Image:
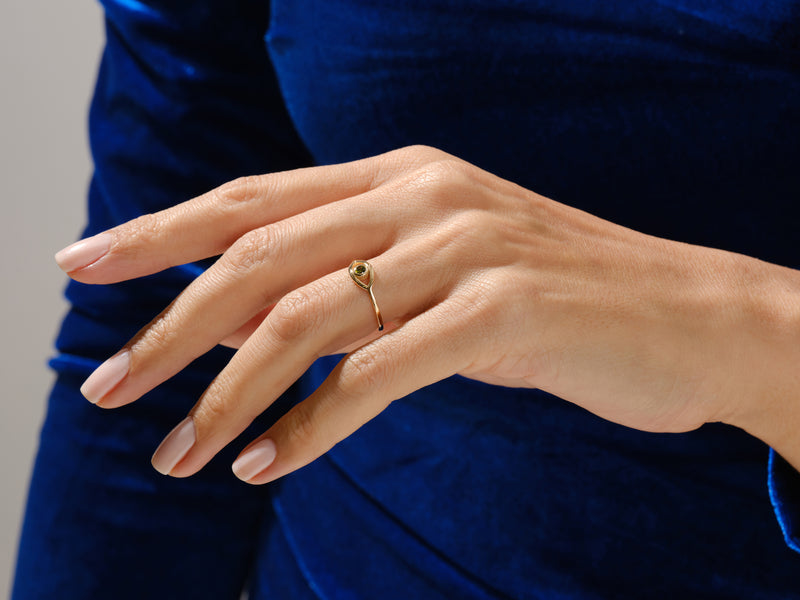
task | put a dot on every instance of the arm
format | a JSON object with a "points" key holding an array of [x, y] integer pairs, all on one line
{"points": [[653, 334]]}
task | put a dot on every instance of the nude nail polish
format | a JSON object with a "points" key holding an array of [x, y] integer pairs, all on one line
{"points": [[254, 460], [83, 253], [174, 447], [106, 377]]}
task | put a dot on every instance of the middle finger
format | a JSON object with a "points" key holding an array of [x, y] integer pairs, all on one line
{"points": [[253, 274]]}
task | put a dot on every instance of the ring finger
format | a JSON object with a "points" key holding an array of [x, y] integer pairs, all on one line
{"points": [[326, 314]]}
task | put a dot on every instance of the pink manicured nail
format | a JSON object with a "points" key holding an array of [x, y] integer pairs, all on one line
{"points": [[255, 459], [83, 253], [174, 447], [106, 377]]}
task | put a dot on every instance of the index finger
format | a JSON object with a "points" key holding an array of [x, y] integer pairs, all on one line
{"points": [[207, 225]]}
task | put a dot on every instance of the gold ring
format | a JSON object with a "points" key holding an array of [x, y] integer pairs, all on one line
{"points": [[361, 272]]}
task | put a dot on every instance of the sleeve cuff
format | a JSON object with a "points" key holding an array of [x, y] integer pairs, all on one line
{"points": [[784, 492]]}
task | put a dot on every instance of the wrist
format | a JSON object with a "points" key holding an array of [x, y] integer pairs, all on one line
{"points": [[769, 299]]}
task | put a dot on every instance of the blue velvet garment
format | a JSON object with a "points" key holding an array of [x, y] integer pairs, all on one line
{"points": [[680, 119]]}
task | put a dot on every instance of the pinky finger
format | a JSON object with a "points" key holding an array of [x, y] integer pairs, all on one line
{"points": [[423, 351]]}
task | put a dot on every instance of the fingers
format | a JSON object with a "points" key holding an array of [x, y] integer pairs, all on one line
{"points": [[205, 226], [254, 274], [326, 314], [305, 234], [364, 383], [209, 224]]}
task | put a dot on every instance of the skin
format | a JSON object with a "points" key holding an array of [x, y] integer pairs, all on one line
{"points": [[475, 276]]}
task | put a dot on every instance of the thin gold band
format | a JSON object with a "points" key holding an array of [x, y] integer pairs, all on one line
{"points": [[361, 272]]}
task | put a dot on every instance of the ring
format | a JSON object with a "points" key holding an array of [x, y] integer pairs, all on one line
{"points": [[361, 272]]}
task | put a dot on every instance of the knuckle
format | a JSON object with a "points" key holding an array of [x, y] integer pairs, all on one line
{"points": [[450, 167], [295, 315], [253, 249], [159, 335], [422, 152], [143, 229], [209, 414], [439, 170], [222, 413], [396, 164], [477, 227], [441, 180], [364, 369], [301, 428], [240, 190], [467, 221]]}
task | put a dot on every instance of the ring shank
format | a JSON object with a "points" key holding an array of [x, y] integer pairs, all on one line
{"points": [[363, 276]]}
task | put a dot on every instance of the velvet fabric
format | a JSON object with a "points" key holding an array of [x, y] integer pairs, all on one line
{"points": [[680, 119]]}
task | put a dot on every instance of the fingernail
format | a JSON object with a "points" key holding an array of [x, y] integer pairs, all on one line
{"points": [[255, 459], [83, 253], [174, 447], [106, 377]]}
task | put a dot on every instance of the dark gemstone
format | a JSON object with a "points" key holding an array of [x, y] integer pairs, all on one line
{"points": [[361, 269]]}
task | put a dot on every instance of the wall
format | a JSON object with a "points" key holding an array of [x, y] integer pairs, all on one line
{"points": [[48, 57]]}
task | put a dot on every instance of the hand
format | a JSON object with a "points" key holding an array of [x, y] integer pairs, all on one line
{"points": [[474, 275]]}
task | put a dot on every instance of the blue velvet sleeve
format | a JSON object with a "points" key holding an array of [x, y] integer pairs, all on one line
{"points": [[784, 492], [186, 99]]}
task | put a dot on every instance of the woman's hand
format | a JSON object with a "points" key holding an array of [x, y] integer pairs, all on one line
{"points": [[474, 275]]}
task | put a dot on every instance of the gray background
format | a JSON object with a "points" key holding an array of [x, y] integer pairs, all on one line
{"points": [[49, 53]]}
